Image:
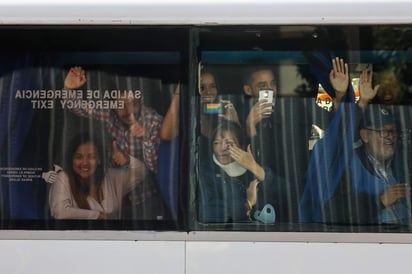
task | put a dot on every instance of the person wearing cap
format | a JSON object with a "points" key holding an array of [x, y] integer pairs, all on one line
{"points": [[371, 190], [351, 181]]}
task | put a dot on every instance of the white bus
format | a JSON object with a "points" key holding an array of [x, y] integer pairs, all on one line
{"points": [[162, 85]]}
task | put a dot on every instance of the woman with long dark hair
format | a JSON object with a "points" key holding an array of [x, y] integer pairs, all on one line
{"points": [[86, 189]]}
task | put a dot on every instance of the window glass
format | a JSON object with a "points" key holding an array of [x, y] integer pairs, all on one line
{"points": [[304, 128], [246, 128], [84, 138]]}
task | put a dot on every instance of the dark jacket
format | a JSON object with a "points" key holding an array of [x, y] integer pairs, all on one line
{"points": [[222, 198]]}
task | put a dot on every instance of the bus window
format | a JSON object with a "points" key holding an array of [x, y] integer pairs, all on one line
{"points": [[81, 124], [285, 127]]}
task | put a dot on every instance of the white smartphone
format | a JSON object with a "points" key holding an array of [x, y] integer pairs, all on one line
{"points": [[268, 95]]}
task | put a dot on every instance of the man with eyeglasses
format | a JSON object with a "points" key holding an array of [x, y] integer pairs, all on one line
{"points": [[374, 187]]}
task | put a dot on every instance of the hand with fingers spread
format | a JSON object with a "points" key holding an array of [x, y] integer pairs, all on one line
{"points": [[229, 112], [339, 76], [246, 160], [367, 93], [119, 158], [258, 112], [136, 129], [339, 79], [394, 193], [75, 78]]}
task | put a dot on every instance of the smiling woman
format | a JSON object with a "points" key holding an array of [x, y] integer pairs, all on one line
{"points": [[87, 189]]}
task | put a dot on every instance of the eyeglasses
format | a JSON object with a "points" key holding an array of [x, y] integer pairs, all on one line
{"points": [[385, 132]]}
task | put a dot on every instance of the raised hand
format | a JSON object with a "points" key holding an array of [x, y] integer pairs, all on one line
{"points": [[75, 78], [229, 112], [246, 160], [136, 129], [243, 158], [119, 158], [366, 91], [339, 76]]}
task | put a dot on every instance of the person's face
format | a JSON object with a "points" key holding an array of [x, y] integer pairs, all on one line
{"points": [[208, 90], [389, 92], [260, 80], [380, 142], [131, 111], [221, 144], [85, 160]]}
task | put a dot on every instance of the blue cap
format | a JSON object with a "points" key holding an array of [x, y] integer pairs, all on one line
{"points": [[376, 116]]}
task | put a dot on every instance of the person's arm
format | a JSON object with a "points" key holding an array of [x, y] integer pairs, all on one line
{"points": [[132, 176], [328, 161], [144, 133], [126, 179], [62, 204], [256, 114], [170, 125], [272, 186], [347, 206], [260, 193], [251, 196], [151, 140]]}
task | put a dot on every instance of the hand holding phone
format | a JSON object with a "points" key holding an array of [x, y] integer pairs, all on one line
{"points": [[267, 94]]}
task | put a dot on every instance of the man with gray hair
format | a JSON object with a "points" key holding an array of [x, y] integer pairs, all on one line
{"points": [[373, 189]]}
